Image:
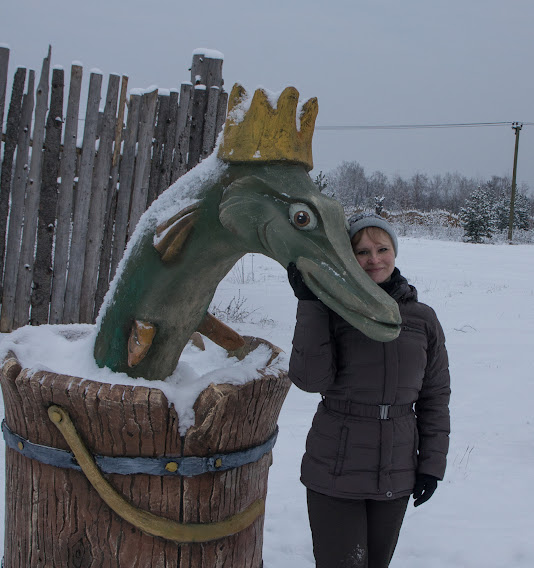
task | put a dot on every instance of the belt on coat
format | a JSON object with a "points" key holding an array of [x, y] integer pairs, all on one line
{"points": [[379, 411]]}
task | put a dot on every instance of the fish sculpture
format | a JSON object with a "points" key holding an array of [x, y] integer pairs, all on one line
{"points": [[254, 196]]}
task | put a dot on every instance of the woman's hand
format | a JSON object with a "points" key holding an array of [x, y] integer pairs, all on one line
{"points": [[302, 292], [425, 485]]}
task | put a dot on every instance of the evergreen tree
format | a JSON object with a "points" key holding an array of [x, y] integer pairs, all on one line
{"points": [[477, 217], [321, 181]]}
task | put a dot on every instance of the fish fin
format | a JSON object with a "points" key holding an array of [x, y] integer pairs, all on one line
{"points": [[141, 337], [220, 333], [172, 234]]}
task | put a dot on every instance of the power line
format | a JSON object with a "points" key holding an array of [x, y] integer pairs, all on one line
{"points": [[416, 126]]}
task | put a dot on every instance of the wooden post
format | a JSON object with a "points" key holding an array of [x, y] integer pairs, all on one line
{"points": [[31, 203], [126, 176], [170, 140], [183, 129], [42, 273], [12, 135], [54, 516], [71, 312], [99, 200], [197, 126], [147, 117], [111, 206], [16, 214], [4, 65], [65, 198], [210, 122], [157, 147]]}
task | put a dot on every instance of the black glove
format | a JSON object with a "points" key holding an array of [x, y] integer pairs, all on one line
{"points": [[302, 292], [425, 485]]}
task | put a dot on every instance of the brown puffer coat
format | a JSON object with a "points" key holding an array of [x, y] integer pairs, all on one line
{"points": [[350, 451]]}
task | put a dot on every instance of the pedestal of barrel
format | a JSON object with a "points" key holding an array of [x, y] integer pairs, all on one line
{"points": [[55, 517]]}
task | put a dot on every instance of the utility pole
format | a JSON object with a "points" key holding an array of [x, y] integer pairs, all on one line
{"points": [[517, 127]]}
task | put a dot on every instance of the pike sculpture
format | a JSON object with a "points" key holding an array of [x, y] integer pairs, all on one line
{"points": [[258, 198]]}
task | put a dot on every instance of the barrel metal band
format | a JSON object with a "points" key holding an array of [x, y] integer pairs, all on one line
{"points": [[174, 466]]}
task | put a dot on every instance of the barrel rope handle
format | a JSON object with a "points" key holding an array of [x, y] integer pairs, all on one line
{"points": [[143, 520]]}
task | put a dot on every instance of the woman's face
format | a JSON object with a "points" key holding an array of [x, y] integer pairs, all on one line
{"points": [[375, 253]]}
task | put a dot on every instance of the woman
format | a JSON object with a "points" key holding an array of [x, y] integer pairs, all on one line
{"points": [[381, 431]]}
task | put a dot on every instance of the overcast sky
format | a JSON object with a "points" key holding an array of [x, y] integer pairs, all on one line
{"points": [[369, 62]]}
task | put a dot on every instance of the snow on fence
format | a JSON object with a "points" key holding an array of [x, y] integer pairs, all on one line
{"points": [[67, 209]]}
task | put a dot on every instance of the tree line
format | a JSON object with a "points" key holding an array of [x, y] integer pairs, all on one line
{"points": [[352, 187]]}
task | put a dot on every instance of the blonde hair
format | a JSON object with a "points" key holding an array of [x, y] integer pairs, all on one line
{"points": [[374, 233]]}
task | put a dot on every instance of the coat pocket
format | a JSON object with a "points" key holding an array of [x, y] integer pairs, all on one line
{"points": [[342, 448]]}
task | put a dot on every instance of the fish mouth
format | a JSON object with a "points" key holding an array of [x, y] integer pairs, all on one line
{"points": [[354, 296]]}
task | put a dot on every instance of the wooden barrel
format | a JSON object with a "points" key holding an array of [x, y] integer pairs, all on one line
{"points": [[54, 516]]}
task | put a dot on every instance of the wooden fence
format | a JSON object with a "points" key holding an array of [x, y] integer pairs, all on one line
{"points": [[68, 209]]}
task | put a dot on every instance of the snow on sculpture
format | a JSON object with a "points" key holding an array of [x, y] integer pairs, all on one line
{"points": [[254, 196]]}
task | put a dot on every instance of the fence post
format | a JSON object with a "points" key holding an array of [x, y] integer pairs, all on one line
{"points": [[71, 312], [142, 165], [111, 206], [31, 203], [4, 64], [42, 274], [65, 198], [16, 214], [183, 129], [12, 135], [99, 200]]}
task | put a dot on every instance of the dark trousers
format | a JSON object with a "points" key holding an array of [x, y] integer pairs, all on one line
{"points": [[351, 533]]}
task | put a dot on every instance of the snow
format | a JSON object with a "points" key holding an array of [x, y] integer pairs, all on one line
{"points": [[208, 53], [482, 513]]}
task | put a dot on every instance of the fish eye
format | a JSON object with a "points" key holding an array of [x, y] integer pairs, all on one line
{"points": [[302, 217]]}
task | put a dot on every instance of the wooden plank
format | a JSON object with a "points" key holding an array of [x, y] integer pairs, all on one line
{"points": [[210, 122], [12, 136], [99, 201], [31, 203], [206, 70], [111, 207], [42, 273], [221, 113], [157, 147], [4, 64], [213, 72], [183, 130], [197, 126], [170, 138], [81, 208], [67, 173], [142, 166], [16, 214], [126, 176]]}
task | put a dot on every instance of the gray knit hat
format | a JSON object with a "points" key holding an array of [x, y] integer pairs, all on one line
{"points": [[362, 220]]}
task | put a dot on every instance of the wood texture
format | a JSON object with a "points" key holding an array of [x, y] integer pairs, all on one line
{"points": [[147, 156], [55, 518], [183, 129], [126, 176], [31, 203], [16, 215], [42, 269], [67, 173], [81, 209], [200, 98], [4, 65], [99, 201], [12, 135], [147, 117]]}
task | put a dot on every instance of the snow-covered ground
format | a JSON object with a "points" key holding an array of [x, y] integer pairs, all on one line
{"points": [[483, 512]]}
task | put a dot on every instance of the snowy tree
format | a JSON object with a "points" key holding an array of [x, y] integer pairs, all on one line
{"points": [[379, 204], [321, 181], [477, 217]]}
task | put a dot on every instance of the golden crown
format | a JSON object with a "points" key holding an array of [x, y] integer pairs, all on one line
{"points": [[266, 134]]}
